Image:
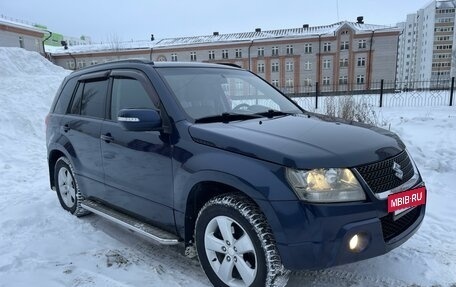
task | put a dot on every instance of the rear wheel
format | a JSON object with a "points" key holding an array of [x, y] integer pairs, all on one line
{"points": [[235, 244], [70, 197]]}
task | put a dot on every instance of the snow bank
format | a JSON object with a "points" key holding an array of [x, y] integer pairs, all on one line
{"points": [[15, 62], [28, 83]]}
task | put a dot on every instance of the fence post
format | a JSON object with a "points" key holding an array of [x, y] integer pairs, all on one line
{"points": [[451, 91], [381, 93], [316, 95]]}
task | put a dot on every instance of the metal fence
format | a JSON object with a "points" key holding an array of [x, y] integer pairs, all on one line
{"points": [[376, 94]]}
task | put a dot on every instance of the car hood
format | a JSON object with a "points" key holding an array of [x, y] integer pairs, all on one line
{"points": [[301, 141]]}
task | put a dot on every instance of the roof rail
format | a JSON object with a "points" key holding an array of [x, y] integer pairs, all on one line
{"points": [[139, 61], [231, 65], [142, 61]]}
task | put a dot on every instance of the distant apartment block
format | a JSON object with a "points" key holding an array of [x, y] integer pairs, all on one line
{"points": [[426, 47], [15, 34], [342, 56]]}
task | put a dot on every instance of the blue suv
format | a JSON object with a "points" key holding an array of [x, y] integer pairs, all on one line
{"points": [[214, 158]]}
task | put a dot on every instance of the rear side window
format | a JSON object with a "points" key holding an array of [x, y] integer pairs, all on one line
{"points": [[93, 98], [128, 94], [65, 97]]}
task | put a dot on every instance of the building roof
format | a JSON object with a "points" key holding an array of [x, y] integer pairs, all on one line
{"points": [[445, 4], [11, 23], [221, 38]]}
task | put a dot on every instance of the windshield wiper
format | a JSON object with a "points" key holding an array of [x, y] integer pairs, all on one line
{"points": [[227, 117], [272, 113]]}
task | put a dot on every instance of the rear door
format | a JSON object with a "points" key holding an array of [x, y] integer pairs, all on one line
{"points": [[137, 165], [82, 127]]}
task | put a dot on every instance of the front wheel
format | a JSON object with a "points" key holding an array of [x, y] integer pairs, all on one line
{"points": [[235, 244]]}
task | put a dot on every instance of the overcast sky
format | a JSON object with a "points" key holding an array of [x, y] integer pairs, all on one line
{"points": [[137, 19]]}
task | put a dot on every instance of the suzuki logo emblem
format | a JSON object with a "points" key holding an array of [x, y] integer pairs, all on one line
{"points": [[397, 168]]}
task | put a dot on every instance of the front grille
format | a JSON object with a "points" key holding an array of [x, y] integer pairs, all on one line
{"points": [[380, 176], [393, 228]]}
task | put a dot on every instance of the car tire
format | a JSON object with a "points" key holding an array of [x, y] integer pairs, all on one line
{"points": [[67, 188], [235, 244]]}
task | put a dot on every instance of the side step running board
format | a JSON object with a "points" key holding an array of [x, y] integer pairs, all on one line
{"points": [[152, 232]]}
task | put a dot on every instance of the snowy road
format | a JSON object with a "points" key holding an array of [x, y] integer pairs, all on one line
{"points": [[42, 245]]}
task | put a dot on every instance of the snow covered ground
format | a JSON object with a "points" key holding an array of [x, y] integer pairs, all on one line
{"points": [[42, 245]]}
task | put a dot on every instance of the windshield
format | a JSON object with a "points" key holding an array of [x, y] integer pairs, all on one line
{"points": [[209, 92]]}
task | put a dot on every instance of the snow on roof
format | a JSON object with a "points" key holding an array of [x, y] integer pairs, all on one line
{"points": [[4, 21], [221, 38], [445, 4]]}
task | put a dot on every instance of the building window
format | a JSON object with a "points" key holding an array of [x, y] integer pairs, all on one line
{"points": [[275, 83], [192, 56], [275, 67], [275, 51], [37, 45], [93, 62], [444, 47], [343, 63], [360, 79], [289, 66], [211, 55], [308, 65], [224, 54], [307, 48], [343, 80], [289, 49], [326, 81], [327, 47], [173, 57], [344, 45], [260, 68], [307, 82], [238, 53], [289, 84], [361, 62], [327, 64], [81, 64], [21, 41], [261, 52], [362, 44], [70, 65]]}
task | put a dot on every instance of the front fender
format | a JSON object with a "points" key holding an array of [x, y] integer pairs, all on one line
{"points": [[262, 181], [258, 179]]}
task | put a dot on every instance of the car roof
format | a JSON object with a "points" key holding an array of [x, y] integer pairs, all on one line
{"points": [[128, 63]]}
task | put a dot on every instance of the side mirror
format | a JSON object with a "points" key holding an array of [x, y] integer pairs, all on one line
{"points": [[140, 120]]}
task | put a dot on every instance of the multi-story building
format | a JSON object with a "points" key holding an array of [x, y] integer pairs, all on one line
{"points": [[426, 49], [341, 56], [16, 34]]}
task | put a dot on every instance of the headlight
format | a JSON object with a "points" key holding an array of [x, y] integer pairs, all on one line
{"points": [[325, 185]]}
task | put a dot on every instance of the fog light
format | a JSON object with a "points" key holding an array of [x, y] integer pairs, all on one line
{"points": [[358, 242], [353, 243]]}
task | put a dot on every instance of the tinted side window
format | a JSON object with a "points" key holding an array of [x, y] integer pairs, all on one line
{"points": [[65, 97], [128, 94], [76, 103], [93, 99]]}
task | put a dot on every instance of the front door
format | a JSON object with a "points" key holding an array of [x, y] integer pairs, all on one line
{"points": [[137, 165]]}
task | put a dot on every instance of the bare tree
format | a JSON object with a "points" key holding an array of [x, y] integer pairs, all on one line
{"points": [[114, 42]]}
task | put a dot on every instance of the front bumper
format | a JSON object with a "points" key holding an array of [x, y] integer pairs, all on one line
{"points": [[318, 235]]}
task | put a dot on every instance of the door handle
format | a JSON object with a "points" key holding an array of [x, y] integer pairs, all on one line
{"points": [[107, 137]]}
